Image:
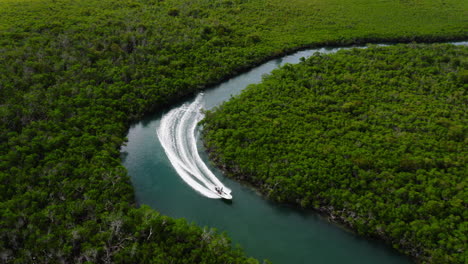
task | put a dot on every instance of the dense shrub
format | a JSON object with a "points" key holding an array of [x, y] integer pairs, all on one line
{"points": [[376, 138], [75, 74]]}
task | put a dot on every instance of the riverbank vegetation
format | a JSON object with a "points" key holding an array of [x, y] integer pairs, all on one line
{"points": [[375, 138], [75, 74]]}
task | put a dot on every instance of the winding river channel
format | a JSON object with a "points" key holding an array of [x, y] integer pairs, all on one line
{"points": [[263, 229]]}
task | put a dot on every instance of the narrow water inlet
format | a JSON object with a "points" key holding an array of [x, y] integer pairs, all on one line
{"points": [[262, 228]]}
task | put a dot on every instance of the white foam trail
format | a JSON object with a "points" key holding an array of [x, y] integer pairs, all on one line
{"points": [[176, 133]]}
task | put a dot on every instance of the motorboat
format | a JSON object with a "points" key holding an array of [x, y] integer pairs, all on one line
{"points": [[223, 193]]}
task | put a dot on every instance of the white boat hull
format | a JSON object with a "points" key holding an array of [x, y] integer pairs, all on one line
{"points": [[224, 194]]}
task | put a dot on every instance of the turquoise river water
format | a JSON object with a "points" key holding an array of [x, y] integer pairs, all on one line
{"points": [[265, 230]]}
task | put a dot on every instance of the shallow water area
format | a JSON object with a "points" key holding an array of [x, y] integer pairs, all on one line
{"points": [[264, 229]]}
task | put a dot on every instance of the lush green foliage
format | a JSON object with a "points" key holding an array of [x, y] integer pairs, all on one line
{"points": [[374, 137], [74, 74]]}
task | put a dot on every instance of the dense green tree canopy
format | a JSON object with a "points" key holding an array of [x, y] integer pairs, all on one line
{"points": [[375, 137], [75, 74]]}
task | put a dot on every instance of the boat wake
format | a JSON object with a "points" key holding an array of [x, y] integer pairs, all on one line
{"points": [[176, 133]]}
